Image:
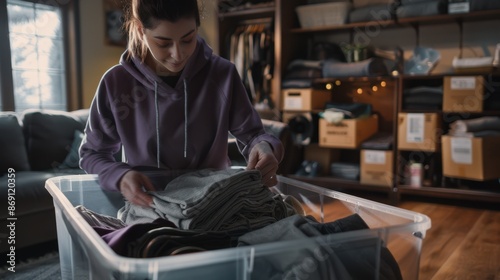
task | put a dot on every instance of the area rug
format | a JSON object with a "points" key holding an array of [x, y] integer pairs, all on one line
{"points": [[42, 268]]}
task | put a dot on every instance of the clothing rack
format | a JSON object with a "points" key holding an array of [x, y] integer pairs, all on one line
{"points": [[251, 49]]}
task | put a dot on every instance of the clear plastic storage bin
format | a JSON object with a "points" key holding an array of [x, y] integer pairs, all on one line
{"points": [[84, 254]]}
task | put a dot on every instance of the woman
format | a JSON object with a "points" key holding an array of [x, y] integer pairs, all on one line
{"points": [[170, 103]]}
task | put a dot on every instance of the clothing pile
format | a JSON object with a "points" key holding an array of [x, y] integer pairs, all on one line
{"points": [[353, 258], [212, 200], [423, 98], [478, 127], [208, 209]]}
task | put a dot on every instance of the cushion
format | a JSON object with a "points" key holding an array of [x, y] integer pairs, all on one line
{"points": [[72, 160], [49, 135], [12, 146]]}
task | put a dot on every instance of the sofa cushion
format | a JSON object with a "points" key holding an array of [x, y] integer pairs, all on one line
{"points": [[49, 135], [72, 160], [12, 146]]}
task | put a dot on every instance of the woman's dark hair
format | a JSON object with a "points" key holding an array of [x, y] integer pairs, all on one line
{"points": [[146, 13]]}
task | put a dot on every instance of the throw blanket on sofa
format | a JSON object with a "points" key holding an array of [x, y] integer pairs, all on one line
{"points": [[212, 200]]}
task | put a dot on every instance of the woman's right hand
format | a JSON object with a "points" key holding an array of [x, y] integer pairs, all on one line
{"points": [[133, 187]]}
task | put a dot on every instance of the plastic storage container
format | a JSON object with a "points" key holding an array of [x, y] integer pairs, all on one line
{"points": [[84, 255]]}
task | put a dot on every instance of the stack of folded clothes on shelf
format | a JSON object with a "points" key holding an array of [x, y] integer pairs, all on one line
{"points": [[380, 141], [345, 170], [482, 5], [423, 98], [300, 73], [419, 8], [371, 67], [478, 127]]}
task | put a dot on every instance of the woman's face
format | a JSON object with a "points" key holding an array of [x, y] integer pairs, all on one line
{"points": [[171, 44]]}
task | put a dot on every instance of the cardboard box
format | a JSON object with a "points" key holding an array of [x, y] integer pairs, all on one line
{"points": [[324, 156], [305, 99], [419, 132], [349, 133], [463, 94], [377, 167], [473, 158]]}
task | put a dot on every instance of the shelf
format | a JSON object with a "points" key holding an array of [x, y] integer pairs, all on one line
{"points": [[464, 194], [353, 79], [256, 12], [445, 18]]}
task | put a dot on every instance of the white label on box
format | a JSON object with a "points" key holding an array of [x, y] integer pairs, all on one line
{"points": [[374, 157], [415, 128], [455, 8], [463, 83], [461, 150], [293, 103]]}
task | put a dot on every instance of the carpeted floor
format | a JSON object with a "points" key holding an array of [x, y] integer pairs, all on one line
{"points": [[42, 268]]}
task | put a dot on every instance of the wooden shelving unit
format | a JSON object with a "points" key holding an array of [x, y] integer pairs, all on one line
{"points": [[291, 42]]}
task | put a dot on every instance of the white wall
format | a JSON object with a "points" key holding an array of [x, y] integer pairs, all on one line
{"points": [[97, 56]]}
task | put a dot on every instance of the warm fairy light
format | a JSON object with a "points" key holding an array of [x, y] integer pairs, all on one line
{"points": [[338, 82], [374, 88], [359, 91], [328, 86], [383, 84]]}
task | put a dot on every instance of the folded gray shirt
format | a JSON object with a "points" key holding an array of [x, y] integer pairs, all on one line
{"points": [[212, 200]]}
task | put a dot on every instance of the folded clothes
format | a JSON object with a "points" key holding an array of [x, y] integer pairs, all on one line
{"points": [[379, 141], [99, 220], [212, 200], [410, 2], [476, 125], [368, 67], [484, 133], [296, 83], [480, 5]]}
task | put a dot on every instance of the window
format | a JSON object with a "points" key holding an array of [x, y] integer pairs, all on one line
{"points": [[38, 53]]}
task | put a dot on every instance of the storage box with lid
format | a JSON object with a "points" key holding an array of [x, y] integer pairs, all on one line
{"points": [[472, 158], [84, 254], [463, 94], [305, 99], [349, 133], [419, 131], [323, 14]]}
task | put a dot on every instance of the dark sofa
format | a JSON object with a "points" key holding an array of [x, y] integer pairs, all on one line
{"points": [[40, 144], [34, 146]]}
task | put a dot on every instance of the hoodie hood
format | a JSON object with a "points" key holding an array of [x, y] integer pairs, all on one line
{"points": [[147, 76]]}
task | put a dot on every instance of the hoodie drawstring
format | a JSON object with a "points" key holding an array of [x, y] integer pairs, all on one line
{"points": [[185, 117], [157, 126], [158, 122]]}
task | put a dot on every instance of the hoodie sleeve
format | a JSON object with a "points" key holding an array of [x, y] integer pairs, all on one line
{"points": [[101, 142], [245, 123]]}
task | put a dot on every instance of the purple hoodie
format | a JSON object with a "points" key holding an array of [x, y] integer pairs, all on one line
{"points": [[181, 128]]}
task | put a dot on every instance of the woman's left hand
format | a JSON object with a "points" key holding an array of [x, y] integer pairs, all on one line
{"points": [[262, 158]]}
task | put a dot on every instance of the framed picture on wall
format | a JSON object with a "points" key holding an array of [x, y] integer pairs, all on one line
{"points": [[114, 16]]}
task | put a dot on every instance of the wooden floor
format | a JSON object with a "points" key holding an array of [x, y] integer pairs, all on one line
{"points": [[463, 242]]}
